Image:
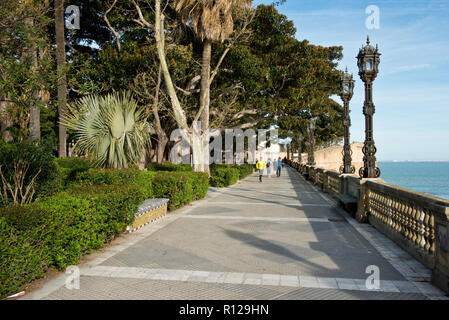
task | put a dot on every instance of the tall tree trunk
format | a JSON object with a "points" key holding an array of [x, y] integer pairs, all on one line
{"points": [[35, 116], [35, 122], [5, 121], [62, 79], [160, 149], [161, 136], [159, 35], [205, 95], [299, 149]]}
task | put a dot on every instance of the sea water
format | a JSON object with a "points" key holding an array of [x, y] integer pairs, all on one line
{"points": [[427, 177]]}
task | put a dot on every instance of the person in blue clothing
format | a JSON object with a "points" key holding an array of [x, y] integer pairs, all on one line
{"points": [[279, 167]]}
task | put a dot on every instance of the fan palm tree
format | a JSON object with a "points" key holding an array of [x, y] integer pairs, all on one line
{"points": [[211, 21], [112, 129]]}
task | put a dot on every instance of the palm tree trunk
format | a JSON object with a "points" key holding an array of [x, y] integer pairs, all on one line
{"points": [[205, 92], [62, 79]]}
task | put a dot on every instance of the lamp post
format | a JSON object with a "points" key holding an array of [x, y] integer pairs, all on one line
{"points": [[368, 63], [346, 92], [311, 133]]}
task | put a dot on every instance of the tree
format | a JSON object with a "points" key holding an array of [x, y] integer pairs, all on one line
{"points": [[211, 21], [112, 129], [62, 79], [198, 145], [25, 66]]}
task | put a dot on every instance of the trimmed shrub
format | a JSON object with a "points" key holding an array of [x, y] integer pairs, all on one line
{"points": [[23, 255], [174, 186], [138, 177], [223, 177], [168, 166], [199, 182], [215, 166], [67, 170], [244, 170], [74, 165], [58, 230]]}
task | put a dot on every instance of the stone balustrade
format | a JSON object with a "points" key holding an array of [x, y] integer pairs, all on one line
{"points": [[417, 222], [334, 182]]}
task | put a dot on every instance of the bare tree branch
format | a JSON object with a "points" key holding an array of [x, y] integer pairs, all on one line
{"points": [[115, 33]]}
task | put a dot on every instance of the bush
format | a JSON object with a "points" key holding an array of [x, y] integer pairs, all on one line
{"points": [[26, 170], [175, 186], [199, 182], [244, 170], [223, 177], [137, 177], [65, 175], [111, 128], [71, 166], [216, 166], [58, 230], [23, 257], [168, 166]]}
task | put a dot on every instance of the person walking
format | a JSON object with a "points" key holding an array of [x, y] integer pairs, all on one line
{"points": [[269, 167], [260, 165], [279, 167]]}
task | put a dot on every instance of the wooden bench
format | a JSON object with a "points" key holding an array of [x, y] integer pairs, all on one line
{"points": [[348, 203]]}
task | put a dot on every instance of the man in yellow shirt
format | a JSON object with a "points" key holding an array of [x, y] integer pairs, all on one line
{"points": [[260, 165]]}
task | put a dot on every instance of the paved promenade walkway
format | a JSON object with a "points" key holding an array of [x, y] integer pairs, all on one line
{"points": [[280, 239]]}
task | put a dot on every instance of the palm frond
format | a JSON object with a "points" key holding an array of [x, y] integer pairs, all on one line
{"points": [[112, 129]]}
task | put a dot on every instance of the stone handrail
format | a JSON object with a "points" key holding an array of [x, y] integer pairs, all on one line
{"points": [[417, 222], [409, 216], [334, 180]]}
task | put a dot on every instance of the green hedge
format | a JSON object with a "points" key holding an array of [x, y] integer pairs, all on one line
{"points": [[168, 166], [65, 175], [199, 182], [70, 167], [173, 186], [223, 177], [137, 177], [180, 187], [244, 170], [56, 231]]}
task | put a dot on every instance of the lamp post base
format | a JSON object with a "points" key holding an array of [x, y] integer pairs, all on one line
{"points": [[369, 172], [347, 169]]}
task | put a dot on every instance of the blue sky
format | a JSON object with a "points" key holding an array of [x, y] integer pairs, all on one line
{"points": [[411, 92]]}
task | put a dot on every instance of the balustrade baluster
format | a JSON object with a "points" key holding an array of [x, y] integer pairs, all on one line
{"points": [[415, 225], [421, 241], [432, 233]]}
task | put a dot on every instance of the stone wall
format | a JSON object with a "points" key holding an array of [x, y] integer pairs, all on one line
{"points": [[332, 159]]}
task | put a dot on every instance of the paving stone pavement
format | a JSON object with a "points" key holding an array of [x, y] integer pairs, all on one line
{"points": [[279, 239]]}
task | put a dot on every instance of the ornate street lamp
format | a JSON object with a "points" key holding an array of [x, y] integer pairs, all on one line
{"points": [[368, 63], [346, 92], [311, 132]]}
